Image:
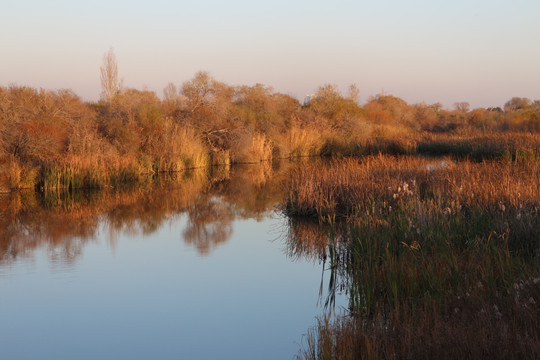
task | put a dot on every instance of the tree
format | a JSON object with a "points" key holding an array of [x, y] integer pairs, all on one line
{"points": [[199, 91], [170, 93], [38, 122], [462, 106], [331, 109], [517, 103], [437, 107], [110, 84], [353, 93], [425, 116], [207, 101], [387, 109]]}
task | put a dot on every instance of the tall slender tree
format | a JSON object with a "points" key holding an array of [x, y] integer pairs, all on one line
{"points": [[110, 84]]}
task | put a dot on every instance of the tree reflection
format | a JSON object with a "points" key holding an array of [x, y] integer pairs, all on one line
{"points": [[64, 222], [209, 223], [254, 190], [26, 223]]}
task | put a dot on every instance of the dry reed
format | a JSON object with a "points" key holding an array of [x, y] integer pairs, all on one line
{"points": [[436, 248]]}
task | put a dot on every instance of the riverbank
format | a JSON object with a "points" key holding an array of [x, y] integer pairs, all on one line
{"points": [[91, 172], [54, 140]]}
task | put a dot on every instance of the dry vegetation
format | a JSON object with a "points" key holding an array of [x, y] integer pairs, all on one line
{"points": [[439, 257], [52, 139]]}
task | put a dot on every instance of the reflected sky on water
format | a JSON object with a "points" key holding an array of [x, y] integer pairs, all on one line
{"points": [[198, 270]]}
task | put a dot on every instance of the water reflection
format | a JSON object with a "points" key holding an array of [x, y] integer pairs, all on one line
{"points": [[64, 222], [181, 300], [209, 224], [326, 244]]}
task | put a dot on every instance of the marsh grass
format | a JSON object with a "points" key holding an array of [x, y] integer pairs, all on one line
{"points": [[520, 147], [17, 176], [251, 148], [351, 188], [88, 173], [183, 148], [303, 142], [435, 250], [78, 172]]}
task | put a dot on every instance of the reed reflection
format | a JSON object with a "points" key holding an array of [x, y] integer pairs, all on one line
{"points": [[326, 244], [254, 190], [27, 222], [64, 222]]}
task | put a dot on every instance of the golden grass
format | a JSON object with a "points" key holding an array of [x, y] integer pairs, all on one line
{"points": [[522, 147], [349, 187], [440, 258], [20, 176], [251, 148], [304, 142]]}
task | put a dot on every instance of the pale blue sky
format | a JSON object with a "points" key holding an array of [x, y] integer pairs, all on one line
{"points": [[483, 52]]}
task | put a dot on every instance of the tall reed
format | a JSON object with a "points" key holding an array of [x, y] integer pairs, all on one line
{"points": [[520, 147], [430, 242]]}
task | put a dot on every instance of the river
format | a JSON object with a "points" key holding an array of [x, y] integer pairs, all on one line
{"points": [[203, 266]]}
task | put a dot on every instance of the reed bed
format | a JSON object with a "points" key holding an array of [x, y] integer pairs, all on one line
{"points": [[75, 172], [437, 250], [518, 147], [351, 188], [251, 148], [182, 149], [521, 147], [303, 142]]}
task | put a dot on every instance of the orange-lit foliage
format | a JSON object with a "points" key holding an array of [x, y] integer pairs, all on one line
{"points": [[209, 122], [330, 109], [388, 109], [36, 125]]}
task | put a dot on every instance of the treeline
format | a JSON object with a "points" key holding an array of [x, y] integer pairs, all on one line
{"points": [[53, 139]]}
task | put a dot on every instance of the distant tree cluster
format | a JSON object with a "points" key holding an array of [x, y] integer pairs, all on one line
{"points": [[204, 121]]}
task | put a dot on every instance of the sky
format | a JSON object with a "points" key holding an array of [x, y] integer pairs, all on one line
{"points": [[479, 51]]}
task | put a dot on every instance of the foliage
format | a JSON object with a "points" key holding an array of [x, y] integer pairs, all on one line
{"points": [[209, 122]]}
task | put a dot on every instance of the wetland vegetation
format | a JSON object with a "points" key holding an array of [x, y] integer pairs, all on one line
{"points": [[53, 139], [427, 219], [164, 267], [440, 258]]}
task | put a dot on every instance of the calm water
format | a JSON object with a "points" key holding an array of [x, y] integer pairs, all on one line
{"points": [[198, 268]]}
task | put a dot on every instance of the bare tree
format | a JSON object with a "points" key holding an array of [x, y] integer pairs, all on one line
{"points": [[170, 93], [462, 106], [199, 91], [110, 84], [353, 93]]}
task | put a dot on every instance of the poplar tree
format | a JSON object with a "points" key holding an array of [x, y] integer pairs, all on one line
{"points": [[110, 84]]}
